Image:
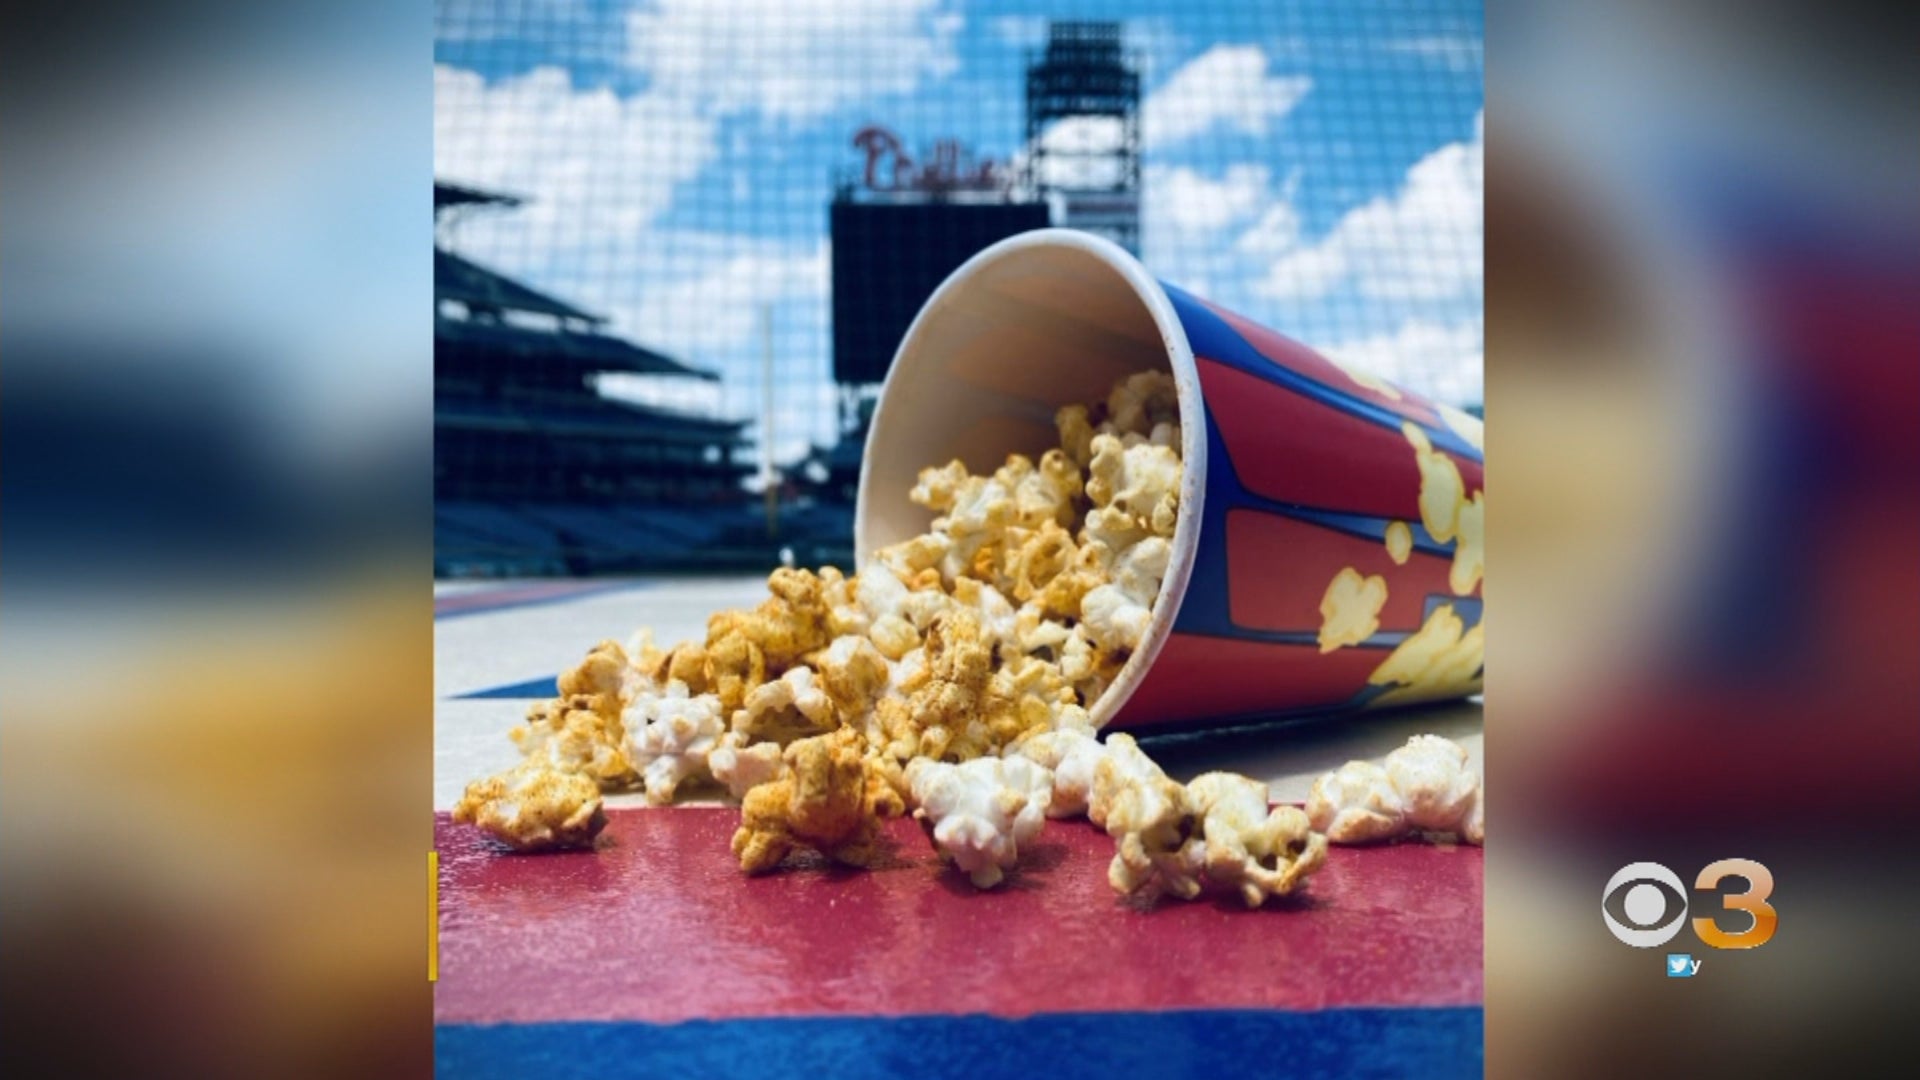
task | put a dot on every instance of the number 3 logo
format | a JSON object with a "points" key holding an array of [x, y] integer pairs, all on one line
{"points": [[1753, 902]]}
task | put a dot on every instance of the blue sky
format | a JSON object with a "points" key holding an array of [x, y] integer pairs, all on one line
{"points": [[1315, 165]]}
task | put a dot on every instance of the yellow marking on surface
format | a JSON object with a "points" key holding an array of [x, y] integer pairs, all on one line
{"points": [[1441, 489], [1469, 552], [1466, 425], [1440, 660], [1399, 542]]}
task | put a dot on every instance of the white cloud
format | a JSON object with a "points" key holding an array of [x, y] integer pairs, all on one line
{"points": [[1423, 242], [1186, 205], [717, 308], [1227, 86], [1020, 31], [1455, 52], [795, 59], [1278, 228], [1444, 362], [594, 167]]}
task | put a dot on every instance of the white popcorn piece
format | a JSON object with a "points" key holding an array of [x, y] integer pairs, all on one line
{"points": [[1158, 847], [1034, 632], [1116, 615], [907, 673], [938, 487], [880, 591], [1356, 804], [999, 622], [1437, 788], [742, 766], [1072, 755], [790, 707], [979, 813], [910, 557], [1143, 401], [1256, 850], [1424, 787], [672, 734], [1141, 481], [1122, 765], [1047, 493]]}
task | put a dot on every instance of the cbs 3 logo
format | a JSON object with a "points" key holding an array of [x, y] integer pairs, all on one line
{"points": [[1644, 904]]}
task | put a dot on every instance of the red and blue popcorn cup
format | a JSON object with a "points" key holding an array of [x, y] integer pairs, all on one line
{"points": [[1329, 551]]}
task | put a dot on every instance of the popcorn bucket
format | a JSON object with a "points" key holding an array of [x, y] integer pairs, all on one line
{"points": [[1328, 554]]}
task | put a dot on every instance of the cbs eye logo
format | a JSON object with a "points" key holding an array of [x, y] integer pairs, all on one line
{"points": [[1644, 904]]}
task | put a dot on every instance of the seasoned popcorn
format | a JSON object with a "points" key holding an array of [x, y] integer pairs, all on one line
{"points": [[1123, 764], [607, 677], [673, 733], [534, 807], [827, 798], [1159, 848], [1423, 787], [840, 699], [1249, 848], [979, 813], [578, 736]]}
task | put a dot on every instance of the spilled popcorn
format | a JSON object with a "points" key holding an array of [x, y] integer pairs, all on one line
{"points": [[534, 807], [952, 678], [1425, 787]]}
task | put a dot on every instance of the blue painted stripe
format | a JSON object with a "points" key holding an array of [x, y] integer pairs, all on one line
{"points": [[460, 605], [532, 689], [1364, 526], [1206, 1045]]}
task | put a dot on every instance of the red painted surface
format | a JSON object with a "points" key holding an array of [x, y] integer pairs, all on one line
{"points": [[1188, 683], [1292, 449], [659, 925], [1301, 360], [1280, 568]]}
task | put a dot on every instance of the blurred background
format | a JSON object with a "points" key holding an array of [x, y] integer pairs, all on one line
{"points": [[1703, 258], [677, 243]]}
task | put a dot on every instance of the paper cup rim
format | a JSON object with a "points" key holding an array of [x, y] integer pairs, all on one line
{"points": [[1193, 427]]}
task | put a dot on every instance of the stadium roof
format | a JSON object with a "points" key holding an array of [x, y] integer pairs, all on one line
{"points": [[454, 278], [445, 194], [587, 351], [593, 419]]}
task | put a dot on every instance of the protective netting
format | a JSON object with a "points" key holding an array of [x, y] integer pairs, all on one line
{"points": [[1316, 166]]}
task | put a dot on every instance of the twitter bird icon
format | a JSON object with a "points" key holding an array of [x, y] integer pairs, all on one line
{"points": [[1682, 966]]}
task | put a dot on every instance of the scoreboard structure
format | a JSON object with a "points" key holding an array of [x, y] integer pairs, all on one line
{"points": [[887, 260]]}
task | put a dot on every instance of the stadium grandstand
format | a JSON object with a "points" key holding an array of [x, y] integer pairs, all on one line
{"points": [[535, 471]]}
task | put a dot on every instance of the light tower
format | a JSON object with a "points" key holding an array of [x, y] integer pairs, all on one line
{"points": [[1083, 130]]}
